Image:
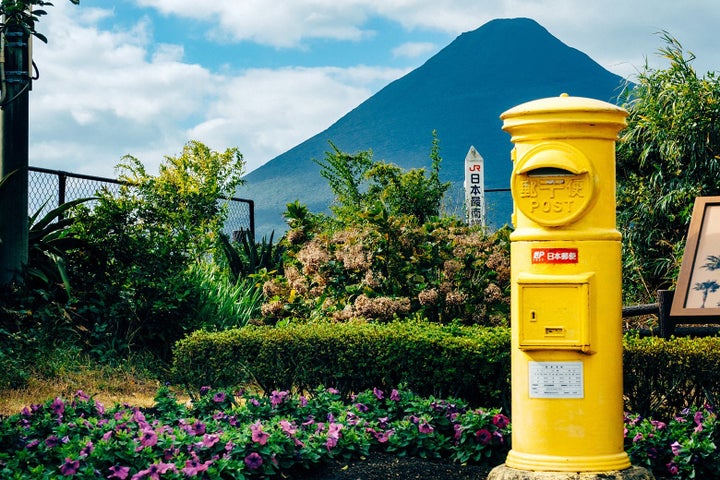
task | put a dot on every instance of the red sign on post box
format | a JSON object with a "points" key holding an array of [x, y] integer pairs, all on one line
{"points": [[554, 255]]}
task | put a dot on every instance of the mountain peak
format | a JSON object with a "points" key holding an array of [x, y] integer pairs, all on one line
{"points": [[460, 92]]}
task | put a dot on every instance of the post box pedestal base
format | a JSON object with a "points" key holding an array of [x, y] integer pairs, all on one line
{"points": [[503, 472]]}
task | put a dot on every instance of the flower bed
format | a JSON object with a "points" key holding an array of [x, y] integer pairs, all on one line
{"points": [[225, 435], [246, 436]]}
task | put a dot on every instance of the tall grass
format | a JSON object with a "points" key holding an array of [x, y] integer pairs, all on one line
{"points": [[222, 303]]}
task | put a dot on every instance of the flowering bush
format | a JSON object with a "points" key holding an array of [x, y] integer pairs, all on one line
{"points": [[240, 435], [684, 447], [385, 266]]}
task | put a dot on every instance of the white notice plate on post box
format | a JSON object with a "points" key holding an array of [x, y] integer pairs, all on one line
{"points": [[556, 379]]}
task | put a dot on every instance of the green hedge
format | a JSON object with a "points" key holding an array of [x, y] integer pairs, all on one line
{"points": [[472, 363], [661, 377]]}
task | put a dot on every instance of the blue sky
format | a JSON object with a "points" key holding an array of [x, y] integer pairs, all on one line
{"points": [[143, 77]]}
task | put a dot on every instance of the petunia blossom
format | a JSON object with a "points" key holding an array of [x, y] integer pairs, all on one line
{"points": [[253, 461], [70, 467], [483, 436], [118, 472], [258, 435], [500, 420]]}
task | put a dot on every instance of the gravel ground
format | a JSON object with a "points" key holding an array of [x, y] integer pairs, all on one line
{"points": [[378, 466]]}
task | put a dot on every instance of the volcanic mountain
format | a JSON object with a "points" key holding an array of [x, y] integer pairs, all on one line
{"points": [[460, 92]]}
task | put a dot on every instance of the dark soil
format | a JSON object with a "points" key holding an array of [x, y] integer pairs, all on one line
{"points": [[380, 466]]}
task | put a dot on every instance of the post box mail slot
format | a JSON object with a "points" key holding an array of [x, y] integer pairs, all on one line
{"points": [[553, 184], [554, 312]]}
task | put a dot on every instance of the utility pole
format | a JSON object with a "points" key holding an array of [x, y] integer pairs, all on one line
{"points": [[15, 81]]}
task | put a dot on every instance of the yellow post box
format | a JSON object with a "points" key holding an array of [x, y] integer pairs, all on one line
{"points": [[566, 313]]}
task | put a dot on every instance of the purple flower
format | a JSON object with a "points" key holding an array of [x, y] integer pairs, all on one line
{"points": [[209, 440], [52, 441], [258, 435], [288, 427], [457, 428], [80, 395], [378, 393], [333, 435], [87, 449], [395, 395], [194, 466], [253, 461], [676, 447], [303, 401], [333, 391], [483, 436], [204, 390], [277, 397], [425, 427], [70, 467], [118, 472], [198, 428], [672, 468], [500, 420], [33, 444], [658, 424], [361, 407], [154, 471], [219, 397], [148, 439], [57, 406]]}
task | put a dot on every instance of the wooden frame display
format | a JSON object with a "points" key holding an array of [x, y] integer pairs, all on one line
{"points": [[697, 296]]}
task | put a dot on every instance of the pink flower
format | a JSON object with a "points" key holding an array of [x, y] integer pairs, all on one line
{"points": [[637, 437], [500, 420], [70, 467], [288, 427], [675, 447], [672, 468], [209, 440], [258, 435], [277, 397], [194, 466], [333, 435], [253, 461], [395, 395], [483, 436], [425, 427], [118, 472], [154, 471], [148, 439]]}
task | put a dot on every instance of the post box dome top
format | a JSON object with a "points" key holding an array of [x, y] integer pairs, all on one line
{"points": [[563, 103], [577, 114]]}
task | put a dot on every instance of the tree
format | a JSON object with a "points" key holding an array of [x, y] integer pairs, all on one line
{"points": [[139, 244], [668, 155], [362, 184], [709, 286]]}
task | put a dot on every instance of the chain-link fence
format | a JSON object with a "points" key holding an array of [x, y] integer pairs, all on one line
{"points": [[49, 188]]}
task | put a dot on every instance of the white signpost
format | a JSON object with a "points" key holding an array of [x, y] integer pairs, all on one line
{"points": [[474, 188]]}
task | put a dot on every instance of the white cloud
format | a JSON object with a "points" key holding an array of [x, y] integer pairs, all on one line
{"points": [[266, 112], [104, 94], [414, 49]]}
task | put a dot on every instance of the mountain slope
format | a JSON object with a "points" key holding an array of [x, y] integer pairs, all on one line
{"points": [[460, 92]]}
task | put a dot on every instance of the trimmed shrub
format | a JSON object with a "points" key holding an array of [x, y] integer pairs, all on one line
{"points": [[663, 377], [472, 363]]}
